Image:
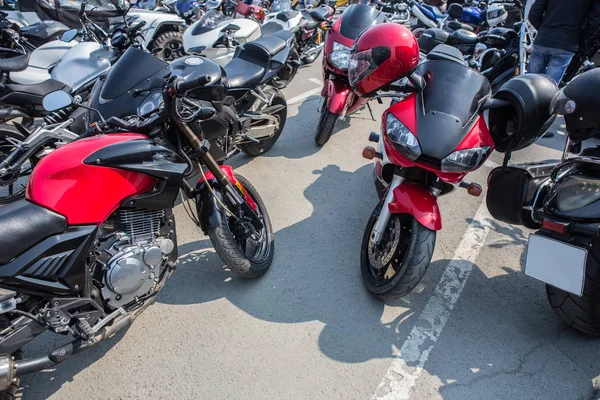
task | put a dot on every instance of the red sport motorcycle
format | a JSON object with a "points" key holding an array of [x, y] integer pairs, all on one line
{"points": [[433, 135], [338, 99], [95, 239]]}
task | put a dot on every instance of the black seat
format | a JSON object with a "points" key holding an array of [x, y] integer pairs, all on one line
{"points": [[285, 16], [312, 24], [320, 14], [14, 64], [443, 52], [266, 46], [462, 36], [270, 28], [459, 25], [23, 225], [243, 74], [30, 94]]}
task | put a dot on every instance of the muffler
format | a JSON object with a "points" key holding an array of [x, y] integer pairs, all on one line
{"points": [[313, 50], [7, 372]]}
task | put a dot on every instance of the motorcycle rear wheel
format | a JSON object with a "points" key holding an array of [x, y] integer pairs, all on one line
{"points": [[326, 126], [580, 313], [246, 262], [256, 149], [288, 72], [407, 247]]}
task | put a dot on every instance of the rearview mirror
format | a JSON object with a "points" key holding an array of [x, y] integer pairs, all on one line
{"points": [[57, 100], [133, 2], [69, 35]]}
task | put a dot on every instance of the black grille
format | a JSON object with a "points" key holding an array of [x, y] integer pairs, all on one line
{"points": [[434, 162]]}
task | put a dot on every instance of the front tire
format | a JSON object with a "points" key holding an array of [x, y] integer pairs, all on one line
{"points": [[171, 43], [255, 149], [580, 313], [246, 262], [326, 126], [395, 266]]}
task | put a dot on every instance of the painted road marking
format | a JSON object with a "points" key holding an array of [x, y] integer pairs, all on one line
{"points": [[315, 80], [407, 367], [300, 97]]}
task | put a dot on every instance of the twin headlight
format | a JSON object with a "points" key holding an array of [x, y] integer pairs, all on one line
{"points": [[407, 143], [340, 56]]}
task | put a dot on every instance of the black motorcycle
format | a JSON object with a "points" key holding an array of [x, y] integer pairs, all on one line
{"points": [[15, 41], [561, 200]]}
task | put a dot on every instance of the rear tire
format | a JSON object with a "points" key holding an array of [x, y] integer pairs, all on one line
{"points": [[409, 256], [9, 192], [228, 247], [256, 149], [171, 43], [326, 126], [288, 72], [580, 313]]}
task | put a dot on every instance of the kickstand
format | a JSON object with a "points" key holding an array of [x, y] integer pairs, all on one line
{"points": [[370, 111]]}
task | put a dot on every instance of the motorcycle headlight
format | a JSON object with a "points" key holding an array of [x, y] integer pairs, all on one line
{"points": [[402, 137], [577, 192], [465, 160], [340, 56]]}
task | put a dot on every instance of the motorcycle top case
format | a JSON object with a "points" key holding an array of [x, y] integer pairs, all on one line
{"points": [[430, 38], [512, 189]]}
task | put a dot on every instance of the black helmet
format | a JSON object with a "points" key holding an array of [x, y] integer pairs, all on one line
{"points": [[579, 102], [527, 116]]}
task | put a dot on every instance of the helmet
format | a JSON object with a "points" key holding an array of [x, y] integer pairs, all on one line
{"points": [[381, 55], [496, 14], [184, 7], [527, 116], [579, 102]]}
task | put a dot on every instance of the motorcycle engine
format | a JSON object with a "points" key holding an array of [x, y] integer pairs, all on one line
{"points": [[136, 256]]}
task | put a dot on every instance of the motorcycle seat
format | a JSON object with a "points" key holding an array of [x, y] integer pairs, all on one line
{"points": [[456, 25], [444, 52], [240, 73], [23, 225], [310, 25], [270, 28], [320, 14], [462, 36], [266, 46], [285, 16], [14, 64], [30, 94]]}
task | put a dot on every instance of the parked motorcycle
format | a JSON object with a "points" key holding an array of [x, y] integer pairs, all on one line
{"points": [[338, 99], [15, 40], [560, 201], [95, 241], [433, 135]]}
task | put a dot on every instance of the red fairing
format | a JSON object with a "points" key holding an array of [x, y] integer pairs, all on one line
{"points": [[334, 36], [406, 112], [479, 136], [84, 194], [338, 94], [413, 199], [248, 10], [228, 170]]}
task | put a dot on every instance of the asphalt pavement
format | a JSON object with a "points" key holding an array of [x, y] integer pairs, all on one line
{"points": [[475, 328]]}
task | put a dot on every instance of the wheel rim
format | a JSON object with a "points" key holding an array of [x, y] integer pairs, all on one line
{"points": [[172, 50], [13, 185], [256, 247], [385, 260]]}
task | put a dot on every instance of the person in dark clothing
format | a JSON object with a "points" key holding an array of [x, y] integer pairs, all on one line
{"points": [[559, 24]]}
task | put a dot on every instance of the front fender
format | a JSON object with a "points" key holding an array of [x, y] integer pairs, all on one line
{"points": [[413, 199], [338, 93]]}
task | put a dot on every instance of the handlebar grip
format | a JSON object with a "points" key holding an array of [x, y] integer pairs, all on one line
{"points": [[182, 85]]}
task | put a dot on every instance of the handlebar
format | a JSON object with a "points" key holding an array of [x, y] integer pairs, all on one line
{"points": [[182, 85]]}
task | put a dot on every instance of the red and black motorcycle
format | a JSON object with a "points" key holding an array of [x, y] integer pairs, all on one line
{"points": [[95, 239], [433, 135], [338, 99]]}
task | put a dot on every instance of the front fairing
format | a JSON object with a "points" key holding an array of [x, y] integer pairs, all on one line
{"points": [[357, 18]]}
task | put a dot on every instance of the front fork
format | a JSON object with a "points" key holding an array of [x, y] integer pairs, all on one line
{"points": [[385, 214]]}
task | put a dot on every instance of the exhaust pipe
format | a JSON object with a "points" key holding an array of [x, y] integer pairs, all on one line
{"points": [[313, 50], [7, 372]]}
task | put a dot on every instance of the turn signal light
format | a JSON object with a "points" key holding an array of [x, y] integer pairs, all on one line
{"points": [[370, 153], [325, 26], [474, 189], [559, 227]]}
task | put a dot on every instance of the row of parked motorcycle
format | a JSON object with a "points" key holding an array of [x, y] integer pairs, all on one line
{"points": [[94, 239]]}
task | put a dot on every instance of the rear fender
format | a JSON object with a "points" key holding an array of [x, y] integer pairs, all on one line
{"points": [[413, 199], [338, 94]]}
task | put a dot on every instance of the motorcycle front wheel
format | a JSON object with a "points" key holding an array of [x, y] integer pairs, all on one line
{"points": [[249, 257], [326, 125], [395, 266]]}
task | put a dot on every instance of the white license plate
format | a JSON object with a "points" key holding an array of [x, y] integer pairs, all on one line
{"points": [[556, 263]]}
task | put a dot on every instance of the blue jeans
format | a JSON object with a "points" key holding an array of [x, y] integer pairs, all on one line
{"points": [[549, 61]]}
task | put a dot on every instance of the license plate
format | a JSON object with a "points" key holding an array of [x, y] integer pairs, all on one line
{"points": [[556, 263]]}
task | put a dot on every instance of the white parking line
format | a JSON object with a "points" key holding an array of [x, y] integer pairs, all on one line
{"points": [[406, 369], [315, 80], [300, 97]]}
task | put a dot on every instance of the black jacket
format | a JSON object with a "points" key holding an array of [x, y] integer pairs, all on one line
{"points": [[559, 22]]}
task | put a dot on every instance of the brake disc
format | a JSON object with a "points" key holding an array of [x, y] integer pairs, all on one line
{"points": [[381, 254]]}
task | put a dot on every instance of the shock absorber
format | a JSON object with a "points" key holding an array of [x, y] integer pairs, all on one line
{"points": [[58, 116]]}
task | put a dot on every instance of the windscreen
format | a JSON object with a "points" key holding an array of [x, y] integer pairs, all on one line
{"points": [[357, 18], [134, 67], [208, 22], [453, 89]]}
